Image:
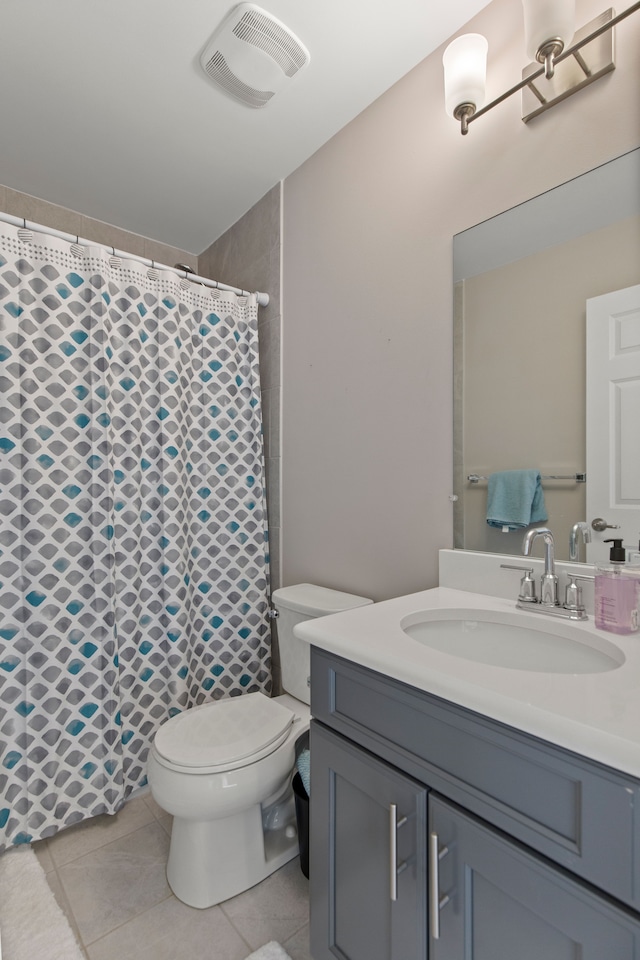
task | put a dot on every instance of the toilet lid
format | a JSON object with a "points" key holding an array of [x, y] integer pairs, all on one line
{"points": [[224, 732]]}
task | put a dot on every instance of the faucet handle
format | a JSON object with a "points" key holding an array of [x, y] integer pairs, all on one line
{"points": [[527, 583], [573, 594]]}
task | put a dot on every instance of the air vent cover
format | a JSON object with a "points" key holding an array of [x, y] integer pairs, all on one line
{"points": [[252, 55]]}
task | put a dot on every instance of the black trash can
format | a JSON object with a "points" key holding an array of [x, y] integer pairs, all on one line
{"points": [[301, 798], [302, 819]]}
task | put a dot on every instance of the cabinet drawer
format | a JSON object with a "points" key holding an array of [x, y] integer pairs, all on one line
{"points": [[574, 811]]}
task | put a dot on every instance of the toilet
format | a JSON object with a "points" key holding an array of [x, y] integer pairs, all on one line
{"points": [[224, 769]]}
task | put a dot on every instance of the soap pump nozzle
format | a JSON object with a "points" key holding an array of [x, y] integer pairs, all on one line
{"points": [[617, 553]]}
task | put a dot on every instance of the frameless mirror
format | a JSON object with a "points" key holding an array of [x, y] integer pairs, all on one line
{"points": [[521, 282]]}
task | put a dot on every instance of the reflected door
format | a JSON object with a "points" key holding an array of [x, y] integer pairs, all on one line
{"points": [[613, 418]]}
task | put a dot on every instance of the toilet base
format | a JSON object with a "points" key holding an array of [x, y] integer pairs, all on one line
{"points": [[211, 861]]}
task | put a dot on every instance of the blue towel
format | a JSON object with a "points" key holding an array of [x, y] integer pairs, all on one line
{"points": [[304, 769], [515, 499]]}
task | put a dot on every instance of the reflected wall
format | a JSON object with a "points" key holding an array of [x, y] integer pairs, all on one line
{"points": [[520, 375]]}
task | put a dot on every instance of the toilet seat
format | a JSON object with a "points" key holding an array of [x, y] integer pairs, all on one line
{"points": [[224, 734]]}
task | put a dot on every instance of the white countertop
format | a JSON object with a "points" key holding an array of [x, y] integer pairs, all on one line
{"points": [[593, 714]]}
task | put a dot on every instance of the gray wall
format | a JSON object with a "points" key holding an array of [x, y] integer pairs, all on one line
{"points": [[367, 300]]}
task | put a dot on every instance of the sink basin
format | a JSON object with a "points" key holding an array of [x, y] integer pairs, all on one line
{"points": [[519, 641]]}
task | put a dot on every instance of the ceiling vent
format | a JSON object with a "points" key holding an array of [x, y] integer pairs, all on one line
{"points": [[252, 55]]}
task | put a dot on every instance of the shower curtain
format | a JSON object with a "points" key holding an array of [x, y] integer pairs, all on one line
{"points": [[133, 539]]}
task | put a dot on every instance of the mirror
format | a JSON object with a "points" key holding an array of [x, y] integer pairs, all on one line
{"points": [[521, 282]]}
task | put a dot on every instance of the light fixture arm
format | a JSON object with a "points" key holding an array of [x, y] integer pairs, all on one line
{"points": [[551, 60], [462, 113], [549, 54]]}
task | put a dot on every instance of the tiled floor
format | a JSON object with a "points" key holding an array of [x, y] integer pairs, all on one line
{"points": [[108, 875]]}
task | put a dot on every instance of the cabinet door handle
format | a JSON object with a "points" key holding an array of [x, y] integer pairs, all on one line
{"points": [[436, 902], [394, 867]]}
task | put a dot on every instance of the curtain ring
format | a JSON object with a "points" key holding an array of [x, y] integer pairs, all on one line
{"points": [[24, 233], [184, 267]]}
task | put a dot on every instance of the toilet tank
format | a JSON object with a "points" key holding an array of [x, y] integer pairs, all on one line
{"points": [[304, 601]]}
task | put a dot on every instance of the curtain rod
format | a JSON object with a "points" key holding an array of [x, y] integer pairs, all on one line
{"points": [[263, 298]]}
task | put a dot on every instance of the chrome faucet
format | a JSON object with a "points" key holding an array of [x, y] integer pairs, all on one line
{"points": [[579, 527], [573, 607], [549, 581]]}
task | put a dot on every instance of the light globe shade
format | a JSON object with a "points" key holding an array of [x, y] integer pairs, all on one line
{"points": [[546, 20], [465, 71]]}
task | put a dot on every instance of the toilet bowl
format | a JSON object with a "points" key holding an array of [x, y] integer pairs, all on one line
{"points": [[234, 817], [224, 769]]}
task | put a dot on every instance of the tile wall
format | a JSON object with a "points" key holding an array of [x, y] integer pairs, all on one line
{"points": [[69, 221], [248, 256]]}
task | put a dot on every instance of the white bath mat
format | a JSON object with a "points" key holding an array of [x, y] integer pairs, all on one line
{"points": [[270, 951], [32, 925]]}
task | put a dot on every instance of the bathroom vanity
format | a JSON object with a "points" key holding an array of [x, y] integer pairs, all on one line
{"points": [[462, 810]]}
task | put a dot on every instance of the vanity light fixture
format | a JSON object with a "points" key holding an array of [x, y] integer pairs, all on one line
{"points": [[465, 75], [549, 26], [564, 61]]}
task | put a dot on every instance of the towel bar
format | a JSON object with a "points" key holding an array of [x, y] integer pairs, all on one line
{"points": [[576, 477]]}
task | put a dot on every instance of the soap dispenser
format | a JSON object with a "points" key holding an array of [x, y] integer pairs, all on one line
{"points": [[616, 593]]}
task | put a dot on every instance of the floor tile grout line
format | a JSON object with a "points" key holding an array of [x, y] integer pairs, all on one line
{"points": [[244, 940], [152, 818], [92, 943], [229, 920], [100, 846], [70, 911], [66, 908], [301, 927], [239, 932]]}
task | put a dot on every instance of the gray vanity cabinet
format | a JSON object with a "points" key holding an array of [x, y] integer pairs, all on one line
{"points": [[369, 855], [438, 834]]}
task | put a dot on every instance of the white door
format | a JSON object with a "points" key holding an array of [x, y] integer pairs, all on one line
{"points": [[613, 418]]}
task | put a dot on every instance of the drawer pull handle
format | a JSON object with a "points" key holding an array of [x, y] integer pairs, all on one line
{"points": [[436, 902], [395, 868]]}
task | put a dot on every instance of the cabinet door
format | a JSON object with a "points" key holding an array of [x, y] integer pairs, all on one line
{"points": [[367, 855], [497, 901]]}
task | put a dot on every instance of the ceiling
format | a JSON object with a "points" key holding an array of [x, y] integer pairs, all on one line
{"points": [[106, 110]]}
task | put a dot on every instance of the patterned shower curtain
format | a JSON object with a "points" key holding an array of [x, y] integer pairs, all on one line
{"points": [[133, 541]]}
